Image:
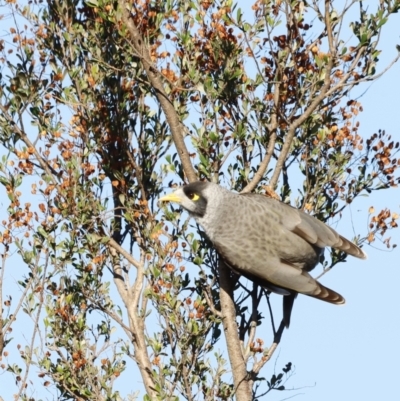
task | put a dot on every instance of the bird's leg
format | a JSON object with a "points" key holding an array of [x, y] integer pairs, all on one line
{"points": [[252, 325], [267, 293], [278, 334]]}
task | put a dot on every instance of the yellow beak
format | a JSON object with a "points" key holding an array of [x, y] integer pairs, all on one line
{"points": [[171, 198]]}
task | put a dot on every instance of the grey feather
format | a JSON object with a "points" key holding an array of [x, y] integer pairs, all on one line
{"points": [[269, 242]]}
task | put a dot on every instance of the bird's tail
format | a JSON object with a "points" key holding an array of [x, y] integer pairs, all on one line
{"points": [[326, 294]]}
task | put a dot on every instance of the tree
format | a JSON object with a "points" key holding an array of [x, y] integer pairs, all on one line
{"points": [[104, 105]]}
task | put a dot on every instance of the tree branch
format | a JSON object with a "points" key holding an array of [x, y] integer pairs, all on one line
{"points": [[270, 149], [131, 297], [43, 164], [323, 92], [258, 366], [156, 82], [242, 389], [114, 244]]}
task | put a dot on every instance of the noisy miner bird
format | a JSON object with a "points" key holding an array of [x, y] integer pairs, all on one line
{"points": [[267, 241]]}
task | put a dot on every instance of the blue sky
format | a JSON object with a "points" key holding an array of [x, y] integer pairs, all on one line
{"points": [[352, 351]]}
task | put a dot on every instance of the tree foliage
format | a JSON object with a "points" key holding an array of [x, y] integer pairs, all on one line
{"points": [[106, 104]]}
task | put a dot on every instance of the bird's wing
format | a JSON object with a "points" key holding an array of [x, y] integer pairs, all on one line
{"points": [[279, 274], [311, 229]]}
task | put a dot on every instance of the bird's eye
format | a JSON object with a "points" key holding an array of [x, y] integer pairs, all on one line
{"points": [[193, 196]]}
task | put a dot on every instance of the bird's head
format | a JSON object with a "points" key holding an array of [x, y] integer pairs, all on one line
{"points": [[192, 197]]}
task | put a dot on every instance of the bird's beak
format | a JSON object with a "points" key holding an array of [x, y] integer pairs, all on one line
{"points": [[173, 197]]}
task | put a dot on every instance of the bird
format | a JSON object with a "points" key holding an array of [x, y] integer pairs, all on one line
{"points": [[269, 242]]}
